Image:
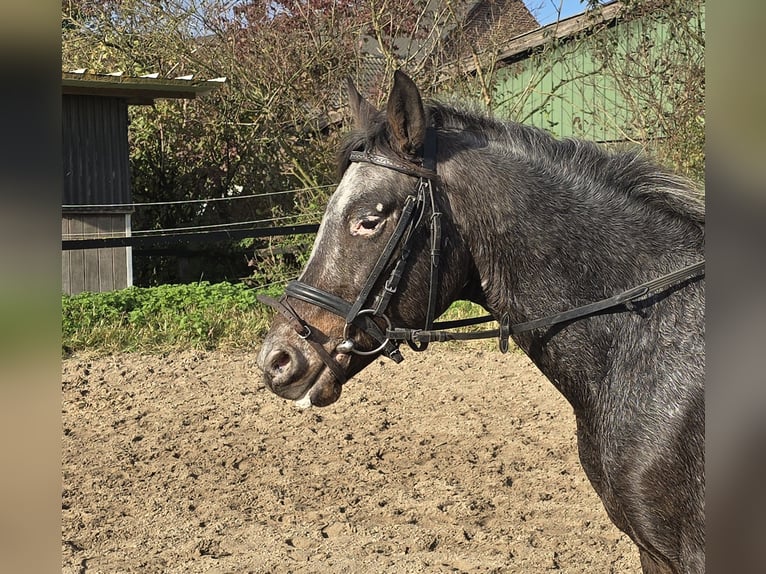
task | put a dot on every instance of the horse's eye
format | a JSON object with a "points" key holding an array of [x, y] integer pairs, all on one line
{"points": [[367, 226]]}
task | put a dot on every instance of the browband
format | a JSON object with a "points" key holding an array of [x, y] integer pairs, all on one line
{"points": [[407, 168]]}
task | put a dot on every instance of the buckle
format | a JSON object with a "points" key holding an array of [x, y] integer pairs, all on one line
{"points": [[306, 332]]}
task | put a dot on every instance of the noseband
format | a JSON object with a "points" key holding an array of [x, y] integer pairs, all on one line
{"points": [[363, 315]]}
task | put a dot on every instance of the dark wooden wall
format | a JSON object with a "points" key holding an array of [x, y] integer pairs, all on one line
{"points": [[95, 270], [95, 149], [96, 189]]}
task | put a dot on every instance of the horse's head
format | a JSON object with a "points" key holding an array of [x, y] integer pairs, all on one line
{"points": [[357, 283]]}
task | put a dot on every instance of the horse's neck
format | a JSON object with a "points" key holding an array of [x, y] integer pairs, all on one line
{"points": [[537, 250], [542, 251]]}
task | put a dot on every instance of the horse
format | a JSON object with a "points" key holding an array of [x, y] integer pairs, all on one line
{"points": [[591, 261]]}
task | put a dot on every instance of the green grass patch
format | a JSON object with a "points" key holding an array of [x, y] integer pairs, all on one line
{"points": [[464, 310], [155, 319]]}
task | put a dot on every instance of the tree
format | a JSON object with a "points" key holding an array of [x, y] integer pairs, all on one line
{"points": [[275, 125], [660, 72]]}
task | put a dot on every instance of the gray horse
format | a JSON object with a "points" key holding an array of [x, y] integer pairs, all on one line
{"points": [[529, 226]]}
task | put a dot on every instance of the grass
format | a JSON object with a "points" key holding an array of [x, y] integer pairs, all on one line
{"points": [[464, 310], [168, 317]]}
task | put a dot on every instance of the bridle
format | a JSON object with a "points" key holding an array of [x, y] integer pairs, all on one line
{"points": [[362, 312], [420, 206]]}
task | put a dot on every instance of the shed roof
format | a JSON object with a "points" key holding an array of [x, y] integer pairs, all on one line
{"points": [[528, 41], [522, 45], [141, 90]]}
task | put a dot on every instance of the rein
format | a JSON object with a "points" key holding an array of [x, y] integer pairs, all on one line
{"points": [[361, 314], [628, 299]]}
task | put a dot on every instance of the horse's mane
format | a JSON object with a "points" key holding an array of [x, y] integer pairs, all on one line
{"points": [[568, 161]]}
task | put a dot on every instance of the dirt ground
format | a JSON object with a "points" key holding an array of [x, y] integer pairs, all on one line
{"points": [[460, 459]]}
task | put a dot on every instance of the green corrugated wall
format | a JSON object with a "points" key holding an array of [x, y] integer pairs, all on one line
{"points": [[566, 90]]}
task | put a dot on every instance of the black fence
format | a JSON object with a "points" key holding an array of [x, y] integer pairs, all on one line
{"points": [[151, 242]]}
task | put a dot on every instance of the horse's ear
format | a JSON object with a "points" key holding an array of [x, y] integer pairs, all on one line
{"points": [[361, 109], [406, 116]]}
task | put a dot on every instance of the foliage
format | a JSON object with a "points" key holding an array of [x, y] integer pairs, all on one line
{"points": [[660, 73], [251, 136], [275, 124], [641, 81], [198, 315]]}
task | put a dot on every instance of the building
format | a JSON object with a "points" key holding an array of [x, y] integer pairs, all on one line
{"points": [[96, 198]]}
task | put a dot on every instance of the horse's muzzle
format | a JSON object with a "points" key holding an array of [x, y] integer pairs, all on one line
{"points": [[292, 370]]}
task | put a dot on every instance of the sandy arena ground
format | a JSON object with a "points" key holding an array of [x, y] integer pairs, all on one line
{"points": [[460, 459]]}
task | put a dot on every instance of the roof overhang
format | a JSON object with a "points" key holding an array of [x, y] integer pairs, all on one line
{"points": [[521, 46], [525, 43], [135, 90]]}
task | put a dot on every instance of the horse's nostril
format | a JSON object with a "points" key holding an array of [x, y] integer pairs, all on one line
{"points": [[283, 366], [279, 362]]}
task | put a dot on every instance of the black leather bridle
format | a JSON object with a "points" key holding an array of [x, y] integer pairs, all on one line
{"points": [[420, 207]]}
